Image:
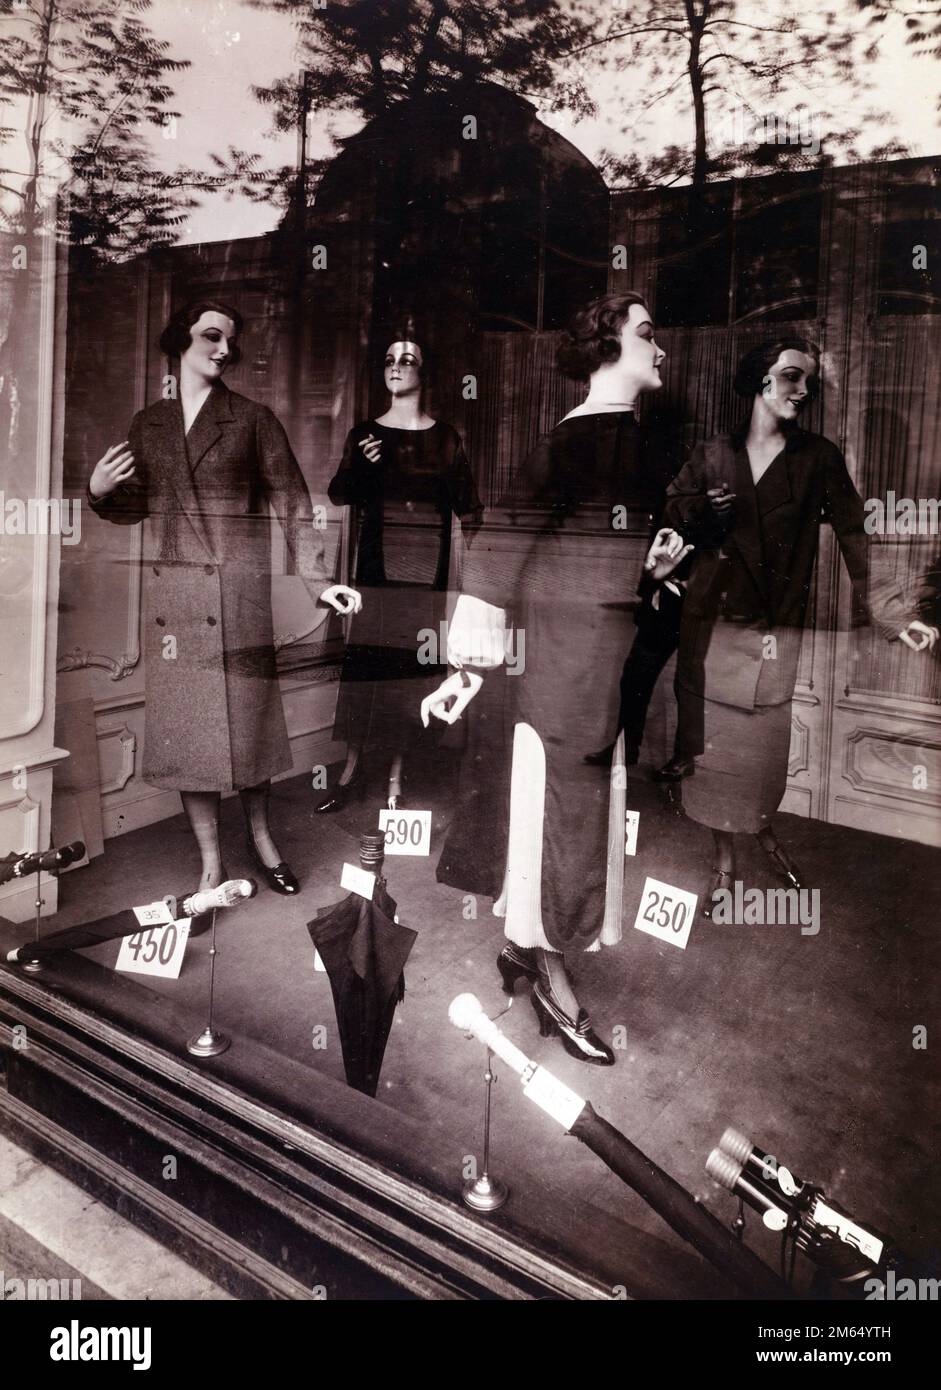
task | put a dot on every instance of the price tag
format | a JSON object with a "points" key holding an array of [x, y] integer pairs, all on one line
{"points": [[553, 1096], [407, 832], [848, 1231], [356, 880], [155, 950], [666, 912], [631, 823], [153, 914]]}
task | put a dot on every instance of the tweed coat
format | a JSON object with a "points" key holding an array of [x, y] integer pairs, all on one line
{"points": [[214, 717], [751, 575]]}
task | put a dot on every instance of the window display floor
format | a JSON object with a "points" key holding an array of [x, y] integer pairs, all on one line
{"points": [[802, 1041]]}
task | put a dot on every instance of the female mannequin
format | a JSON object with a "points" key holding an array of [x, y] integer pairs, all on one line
{"points": [[564, 581], [405, 475], [204, 467]]}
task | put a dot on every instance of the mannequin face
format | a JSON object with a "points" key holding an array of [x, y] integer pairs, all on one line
{"points": [[638, 367], [403, 369], [211, 339], [786, 385]]}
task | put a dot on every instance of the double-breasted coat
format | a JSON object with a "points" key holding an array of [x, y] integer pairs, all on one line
{"points": [[214, 718]]}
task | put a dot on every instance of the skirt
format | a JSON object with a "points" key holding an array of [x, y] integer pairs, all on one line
{"points": [[741, 775]]}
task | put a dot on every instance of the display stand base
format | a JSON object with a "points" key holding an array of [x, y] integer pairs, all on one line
{"points": [[208, 1044], [485, 1193]]}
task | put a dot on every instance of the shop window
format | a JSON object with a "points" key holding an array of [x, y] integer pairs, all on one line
{"points": [[777, 251], [909, 279], [695, 257]]}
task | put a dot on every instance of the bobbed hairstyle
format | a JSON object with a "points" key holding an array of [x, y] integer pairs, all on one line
{"points": [[407, 332], [176, 337], [758, 361], [593, 336]]}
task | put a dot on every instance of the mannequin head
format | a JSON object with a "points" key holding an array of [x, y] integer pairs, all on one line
{"points": [[612, 339]]}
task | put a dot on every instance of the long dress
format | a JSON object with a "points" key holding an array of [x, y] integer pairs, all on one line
{"points": [[403, 505], [214, 718], [744, 613], [563, 559]]}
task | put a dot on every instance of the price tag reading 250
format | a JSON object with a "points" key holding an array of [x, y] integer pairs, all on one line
{"points": [[666, 912], [406, 832]]}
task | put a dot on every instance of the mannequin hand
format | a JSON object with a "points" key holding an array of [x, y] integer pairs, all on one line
{"points": [[342, 598], [371, 447], [666, 553], [721, 499], [112, 469], [460, 688], [918, 636]]}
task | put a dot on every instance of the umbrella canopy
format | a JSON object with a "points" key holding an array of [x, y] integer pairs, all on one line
{"points": [[364, 951]]}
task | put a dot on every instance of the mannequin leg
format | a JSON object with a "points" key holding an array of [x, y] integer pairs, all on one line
{"points": [[255, 805], [555, 980], [353, 753], [395, 780], [202, 812], [724, 851]]}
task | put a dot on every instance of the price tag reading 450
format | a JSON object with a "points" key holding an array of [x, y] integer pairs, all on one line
{"points": [[155, 950], [407, 832], [666, 912]]}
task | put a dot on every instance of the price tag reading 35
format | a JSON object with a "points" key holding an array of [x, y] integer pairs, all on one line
{"points": [[155, 950], [407, 832]]}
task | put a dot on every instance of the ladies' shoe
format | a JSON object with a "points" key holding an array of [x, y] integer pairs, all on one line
{"points": [[674, 770], [782, 861], [515, 961], [336, 799], [578, 1038], [721, 879], [281, 879]]}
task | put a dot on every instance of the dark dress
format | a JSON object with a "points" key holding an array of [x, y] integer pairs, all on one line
{"points": [[557, 559], [744, 611], [403, 507], [214, 717]]}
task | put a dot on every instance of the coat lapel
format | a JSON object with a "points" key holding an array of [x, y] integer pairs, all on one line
{"points": [[206, 429], [745, 535], [170, 448]]}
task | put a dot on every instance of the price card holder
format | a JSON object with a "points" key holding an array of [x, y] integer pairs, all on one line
{"points": [[553, 1096], [406, 832], [153, 914], [356, 880], [666, 912], [156, 950], [631, 824]]}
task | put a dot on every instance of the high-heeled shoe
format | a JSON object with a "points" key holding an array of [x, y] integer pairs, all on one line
{"points": [[515, 961], [578, 1038], [782, 861], [281, 878], [343, 792], [203, 920], [722, 879]]}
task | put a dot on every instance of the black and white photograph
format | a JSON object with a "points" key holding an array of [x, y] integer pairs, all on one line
{"points": [[470, 702]]}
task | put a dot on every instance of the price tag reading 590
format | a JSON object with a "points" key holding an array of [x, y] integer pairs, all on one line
{"points": [[406, 832]]}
